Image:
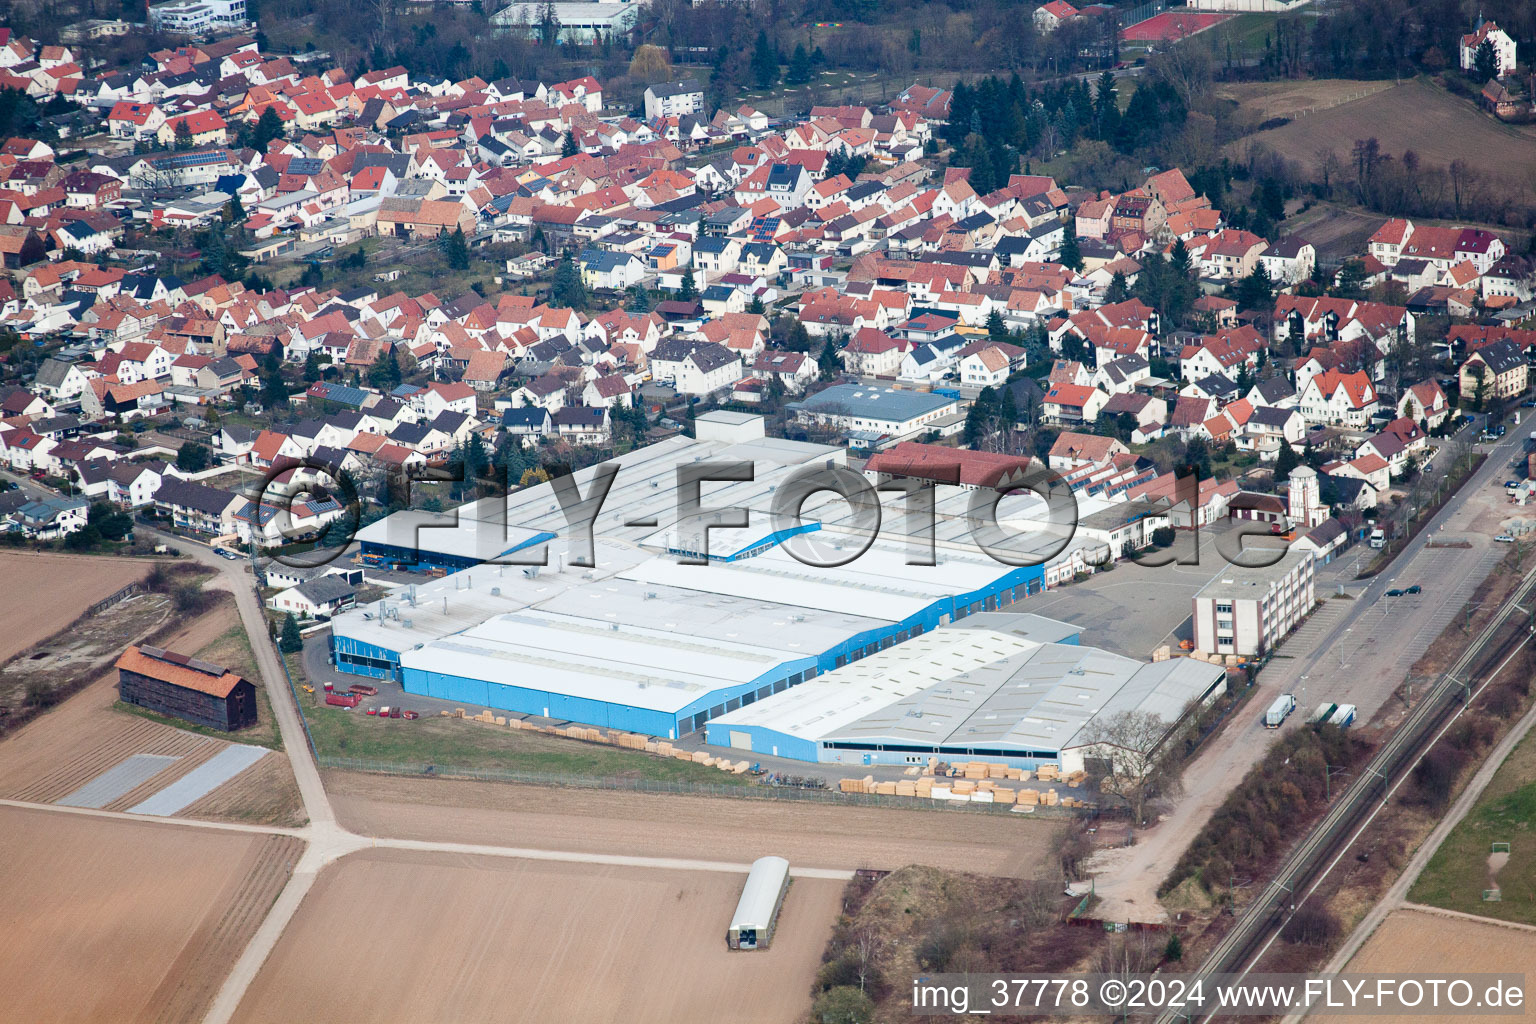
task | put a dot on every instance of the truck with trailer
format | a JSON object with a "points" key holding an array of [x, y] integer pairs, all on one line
{"points": [[1343, 716], [1280, 710], [1323, 713]]}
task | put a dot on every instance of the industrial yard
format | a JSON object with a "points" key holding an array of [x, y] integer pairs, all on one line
{"points": [[469, 939]]}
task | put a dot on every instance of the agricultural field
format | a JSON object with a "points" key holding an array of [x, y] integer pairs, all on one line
{"points": [[708, 828], [1416, 115], [1261, 101], [1414, 942], [394, 936], [75, 582], [1465, 865], [56, 754], [127, 921]]}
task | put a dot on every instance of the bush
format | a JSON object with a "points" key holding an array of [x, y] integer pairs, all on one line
{"points": [[1434, 777], [1163, 536], [839, 971], [188, 599], [1174, 951], [1312, 925], [843, 1005], [1502, 701]]}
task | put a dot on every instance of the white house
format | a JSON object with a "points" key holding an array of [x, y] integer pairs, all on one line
{"points": [[1503, 47], [1332, 397]]}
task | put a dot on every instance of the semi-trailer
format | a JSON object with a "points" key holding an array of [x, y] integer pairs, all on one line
{"points": [[1280, 710]]}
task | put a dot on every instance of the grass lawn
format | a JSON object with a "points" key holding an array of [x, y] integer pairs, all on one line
{"points": [[453, 743], [1457, 874]]}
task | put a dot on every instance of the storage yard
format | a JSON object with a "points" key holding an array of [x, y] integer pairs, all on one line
{"points": [[76, 582], [116, 920], [466, 939], [656, 825]]}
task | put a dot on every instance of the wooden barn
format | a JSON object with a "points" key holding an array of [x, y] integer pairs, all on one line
{"points": [[195, 691]]}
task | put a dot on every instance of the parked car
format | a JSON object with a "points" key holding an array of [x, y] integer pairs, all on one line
{"points": [[226, 553], [1394, 592], [1504, 538], [1415, 589]]}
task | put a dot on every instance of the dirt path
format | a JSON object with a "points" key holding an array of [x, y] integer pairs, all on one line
{"points": [[677, 826]]}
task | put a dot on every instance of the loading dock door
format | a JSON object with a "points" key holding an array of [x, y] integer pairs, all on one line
{"points": [[741, 740]]}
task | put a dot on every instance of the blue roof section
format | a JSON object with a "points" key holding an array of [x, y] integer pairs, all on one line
{"points": [[354, 397], [874, 403]]}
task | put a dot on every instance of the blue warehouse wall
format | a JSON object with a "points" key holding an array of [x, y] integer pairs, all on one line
{"points": [[363, 659], [768, 742]]}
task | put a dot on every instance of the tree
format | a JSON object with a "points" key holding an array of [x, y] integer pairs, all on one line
{"points": [[1118, 290], [765, 62], [798, 339], [109, 521], [290, 641], [1286, 461], [689, 290], [1256, 291], [1174, 951], [1485, 62], [755, 307], [311, 367], [1128, 752], [997, 330], [650, 65], [799, 66], [385, 373], [455, 249], [183, 134], [828, 361], [566, 287], [193, 457], [269, 126], [568, 146], [1071, 257], [274, 391], [639, 300]]}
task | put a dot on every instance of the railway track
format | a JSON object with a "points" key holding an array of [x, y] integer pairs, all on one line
{"points": [[1372, 786]]}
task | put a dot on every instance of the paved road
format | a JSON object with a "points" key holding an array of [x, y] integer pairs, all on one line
{"points": [[1351, 650]]}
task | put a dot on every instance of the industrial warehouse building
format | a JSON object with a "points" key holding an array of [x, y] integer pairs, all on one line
{"points": [[182, 687], [651, 638], [1012, 688]]}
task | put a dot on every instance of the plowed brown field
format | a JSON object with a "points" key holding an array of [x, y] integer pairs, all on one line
{"points": [[707, 828], [47, 591], [117, 920], [387, 936]]}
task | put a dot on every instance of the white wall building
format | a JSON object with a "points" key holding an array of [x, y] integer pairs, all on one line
{"points": [[1246, 611]]}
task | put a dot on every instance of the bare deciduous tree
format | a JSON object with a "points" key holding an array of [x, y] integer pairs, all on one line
{"points": [[1130, 752]]}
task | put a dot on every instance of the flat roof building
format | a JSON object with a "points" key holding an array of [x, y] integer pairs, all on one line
{"points": [[1247, 611], [1008, 687]]}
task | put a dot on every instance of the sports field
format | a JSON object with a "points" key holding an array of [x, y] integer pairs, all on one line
{"points": [[1171, 25], [390, 936]]}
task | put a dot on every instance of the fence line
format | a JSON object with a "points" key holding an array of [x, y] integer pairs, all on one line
{"points": [[641, 785]]}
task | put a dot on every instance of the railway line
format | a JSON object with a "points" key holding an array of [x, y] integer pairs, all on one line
{"points": [[1307, 864]]}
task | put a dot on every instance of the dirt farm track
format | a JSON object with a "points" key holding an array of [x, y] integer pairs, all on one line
{"points": [[1423, 943], [654, 825], [432, 937], [117, 920], [44, 592]]}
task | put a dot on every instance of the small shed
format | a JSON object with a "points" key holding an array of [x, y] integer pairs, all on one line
{"points": [[758, 909], [195, 691]]}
